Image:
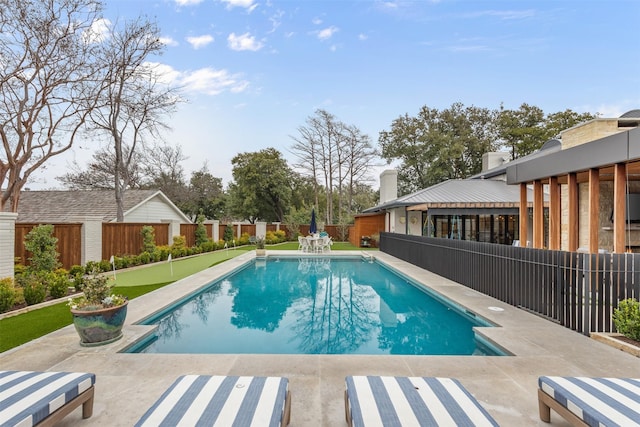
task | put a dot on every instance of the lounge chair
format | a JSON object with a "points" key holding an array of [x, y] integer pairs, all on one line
{"points": [[590, 401], [399, 401], [28, 398], [202, 400]]}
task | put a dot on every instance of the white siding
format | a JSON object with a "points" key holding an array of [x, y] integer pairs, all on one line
{"points": [[154, 210]]}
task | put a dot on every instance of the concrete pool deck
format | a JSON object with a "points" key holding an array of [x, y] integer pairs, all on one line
{"points": [[128, 384]]}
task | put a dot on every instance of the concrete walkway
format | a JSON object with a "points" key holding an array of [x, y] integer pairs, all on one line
{"points": [[127, 384]]}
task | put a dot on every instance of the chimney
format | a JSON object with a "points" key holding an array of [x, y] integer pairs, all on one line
{"points": [[493, 160], [388, 185]]}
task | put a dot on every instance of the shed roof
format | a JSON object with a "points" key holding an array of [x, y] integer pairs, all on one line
{"points": [[67, 206]]}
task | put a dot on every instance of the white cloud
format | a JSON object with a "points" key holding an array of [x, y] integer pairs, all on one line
{"points": [[276, 20], [362, 37], [504, 14], [98, 32], [244, 42], [316, 21], [168, 41], [200, 41], [247, 4], [188, 2], [327, 33], [166, 73], [213, 82]]}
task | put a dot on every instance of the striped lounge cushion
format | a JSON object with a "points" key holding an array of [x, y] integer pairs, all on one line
{"points": [[201, 400], [412, 401], [26, 397], [597, 401]]}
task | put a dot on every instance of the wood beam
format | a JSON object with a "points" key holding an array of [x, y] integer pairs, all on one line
{"points": [[619, 207], [554, 214], [538, 214], [524, 214], [572, 187], [594, 209]]}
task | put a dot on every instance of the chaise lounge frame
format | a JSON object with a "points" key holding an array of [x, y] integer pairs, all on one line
{"points": [[84, 399]]}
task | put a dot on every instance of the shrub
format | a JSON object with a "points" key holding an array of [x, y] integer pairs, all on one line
{"points": [[7, 294], [244, 239], [59, 283], [201, 230], [281, 236], [228, 233], [627, 318], [42, 245], [33, 289], [144, 258], [148, 238]]}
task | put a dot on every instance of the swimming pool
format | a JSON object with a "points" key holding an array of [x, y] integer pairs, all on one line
{"points": [[314, 305]]}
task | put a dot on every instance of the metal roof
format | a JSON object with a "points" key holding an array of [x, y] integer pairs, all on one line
{"points": [[460, 192]]}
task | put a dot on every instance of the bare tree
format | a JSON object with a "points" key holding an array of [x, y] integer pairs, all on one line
{"points": [[336, 154], [47, 84], [136, 99], [99, 172]]}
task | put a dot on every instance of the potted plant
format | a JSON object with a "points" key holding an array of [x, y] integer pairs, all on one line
{"points": [[260, 250], [98, 315]]}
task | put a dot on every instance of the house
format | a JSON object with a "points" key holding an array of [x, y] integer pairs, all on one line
{"points": [[85, 222], [593, 183], [40, 207], [480, 208], [581, 192]]}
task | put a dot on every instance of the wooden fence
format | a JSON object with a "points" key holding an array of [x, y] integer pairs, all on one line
{"points": [[577, 290], [126, 238], [69, 243]]}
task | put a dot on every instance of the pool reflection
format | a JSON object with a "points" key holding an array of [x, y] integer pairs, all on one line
{"points": [[315, 306]]}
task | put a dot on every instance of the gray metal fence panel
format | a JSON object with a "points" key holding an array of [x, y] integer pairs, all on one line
{"points": [[577, 290]]}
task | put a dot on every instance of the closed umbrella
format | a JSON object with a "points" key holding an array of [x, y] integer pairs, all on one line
{"points": [[313, 228]]}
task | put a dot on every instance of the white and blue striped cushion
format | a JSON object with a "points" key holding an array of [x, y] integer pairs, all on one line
{"points": [[412, 401], [597, 401], [201, 400], [27, 397]]}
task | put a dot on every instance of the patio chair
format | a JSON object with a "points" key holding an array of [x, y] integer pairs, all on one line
{"points": [[590, 401], [303, 244], [202, 400], [28, 398], [325, 244], [425, 401]]}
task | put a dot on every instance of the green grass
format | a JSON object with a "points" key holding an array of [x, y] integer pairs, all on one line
{"points": [[164, 272], [132, 283]]}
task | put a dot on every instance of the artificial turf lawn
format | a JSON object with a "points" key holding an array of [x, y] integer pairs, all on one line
{"points": [[17, 330]]}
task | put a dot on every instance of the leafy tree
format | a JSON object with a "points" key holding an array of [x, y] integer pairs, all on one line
{"points": [[47, 84], [522, 131], [525, 130], [438, 145], [205, 195], [261, 187]]}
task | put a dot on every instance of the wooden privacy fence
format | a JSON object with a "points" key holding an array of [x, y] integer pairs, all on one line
{"points": [[125, 238], [577, 290], [69, 243]]}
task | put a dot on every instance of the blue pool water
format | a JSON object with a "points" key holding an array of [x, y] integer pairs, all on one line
{"points": [[314, 306]]}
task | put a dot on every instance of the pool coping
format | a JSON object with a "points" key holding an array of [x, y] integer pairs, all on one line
{"points": [[127, 384]]}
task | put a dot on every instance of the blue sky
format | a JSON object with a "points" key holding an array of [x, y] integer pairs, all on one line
{"points": [[253, 71]]}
